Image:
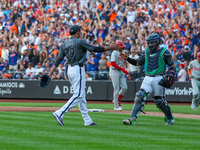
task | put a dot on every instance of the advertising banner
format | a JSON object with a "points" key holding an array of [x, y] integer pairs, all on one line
{"points": [[95, 90]]}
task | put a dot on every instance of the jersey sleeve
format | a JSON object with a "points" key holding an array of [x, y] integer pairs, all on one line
{"points": [[61, 53], [114, 56], [190, 66], [167, 57], [86, 45], [141, 59]]}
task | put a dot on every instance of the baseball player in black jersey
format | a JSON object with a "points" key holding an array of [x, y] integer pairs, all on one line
{"points": [[154, 60], [75, 51]]}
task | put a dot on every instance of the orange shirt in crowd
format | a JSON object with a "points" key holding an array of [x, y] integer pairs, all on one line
{"points": [[55, 52], [52, 11], [175, 48], [67, 33], [99, 7], [0, 50], [186, 40], [182, 4], [35, 47], [176, 26], [49, 18], [42, 36], [13, 29], [113, 16], [59, 5]]}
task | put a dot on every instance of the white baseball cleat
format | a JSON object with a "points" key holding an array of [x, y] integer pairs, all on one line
{"points": [[58, 119], [194, 107], [118, 108]]}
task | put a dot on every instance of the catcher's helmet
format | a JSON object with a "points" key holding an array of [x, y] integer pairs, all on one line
{"points": [[120, 43], [153, 38]]}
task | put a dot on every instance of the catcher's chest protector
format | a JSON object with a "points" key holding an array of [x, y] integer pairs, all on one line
{"points": [[154, 63]]}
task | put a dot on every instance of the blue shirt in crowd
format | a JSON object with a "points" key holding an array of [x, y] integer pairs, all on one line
{"points": [[6, 12], [2, 65], [13, 58], [93, 67]]}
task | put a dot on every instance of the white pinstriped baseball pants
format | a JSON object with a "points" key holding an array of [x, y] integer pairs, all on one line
{"points": [[76, 75]]}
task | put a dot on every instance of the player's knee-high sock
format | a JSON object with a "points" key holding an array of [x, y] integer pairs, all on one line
{"points": [[119, 99]]}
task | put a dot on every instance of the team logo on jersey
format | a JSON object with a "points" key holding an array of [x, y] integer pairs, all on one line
{"points": [[151, 55], [197, 69], [57, 90]]}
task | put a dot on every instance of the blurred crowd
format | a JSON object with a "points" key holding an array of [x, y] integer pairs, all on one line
{"points": [[32, 31]]}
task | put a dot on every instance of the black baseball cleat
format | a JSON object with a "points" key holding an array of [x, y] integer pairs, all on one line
{"points": [[93, 124]]}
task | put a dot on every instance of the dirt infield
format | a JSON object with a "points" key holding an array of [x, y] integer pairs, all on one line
{"points": [[52, 109], [64, 101]]}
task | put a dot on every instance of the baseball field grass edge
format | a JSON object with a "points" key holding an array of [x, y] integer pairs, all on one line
{"points": [[185, 109]]}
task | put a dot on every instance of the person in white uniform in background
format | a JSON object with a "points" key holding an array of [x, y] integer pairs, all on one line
{"points": [[195, 81], [117, 75]]}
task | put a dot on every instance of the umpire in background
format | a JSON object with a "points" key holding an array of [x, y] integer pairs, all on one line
{"points": [[75, 51]]}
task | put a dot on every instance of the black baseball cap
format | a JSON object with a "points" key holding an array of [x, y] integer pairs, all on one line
{"points": [[73, 29]]}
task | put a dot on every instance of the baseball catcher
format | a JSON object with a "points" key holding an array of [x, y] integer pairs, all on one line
{"points": [[44, 81], [154, 60]]}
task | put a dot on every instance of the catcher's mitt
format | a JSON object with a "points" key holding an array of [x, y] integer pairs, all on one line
{"points": [[44, 81], [165, 82]]}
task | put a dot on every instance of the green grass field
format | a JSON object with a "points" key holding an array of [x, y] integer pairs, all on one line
{"points": [[40, 131]]}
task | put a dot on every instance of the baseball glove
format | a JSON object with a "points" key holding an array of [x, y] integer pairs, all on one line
{"points": [[165, 82], [44, 81]]}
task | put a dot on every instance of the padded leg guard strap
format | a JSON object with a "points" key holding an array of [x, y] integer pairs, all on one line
{"points": [[164, 107]]}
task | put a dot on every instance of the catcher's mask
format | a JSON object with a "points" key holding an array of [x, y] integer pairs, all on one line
{"points": [[153, 41]]}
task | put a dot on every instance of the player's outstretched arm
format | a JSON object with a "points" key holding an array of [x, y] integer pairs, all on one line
{"points": [[130, 60], [113, 47], [106, 48]]}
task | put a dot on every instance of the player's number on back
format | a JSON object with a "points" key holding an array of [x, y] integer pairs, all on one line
{"points": [[69, 52]]}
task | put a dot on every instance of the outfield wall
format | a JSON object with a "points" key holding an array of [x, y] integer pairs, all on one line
{"points": [[95, 90]]}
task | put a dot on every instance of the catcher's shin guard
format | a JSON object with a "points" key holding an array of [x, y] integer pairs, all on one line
{"points": [[140, 99], [163, 106]]}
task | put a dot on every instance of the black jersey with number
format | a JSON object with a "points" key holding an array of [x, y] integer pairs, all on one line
{"points": [[75, 51]]}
